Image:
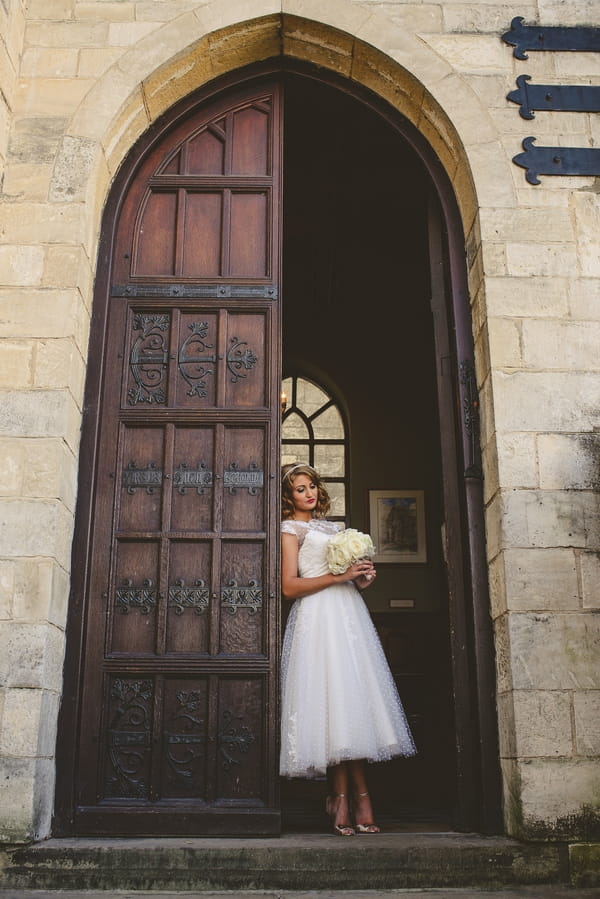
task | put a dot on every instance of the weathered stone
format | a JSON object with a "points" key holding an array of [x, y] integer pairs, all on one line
{"points": [[15, 364], [587, 722], [21, 722], [559, 798], [517, 459], [542, 721], [40, 413], [17, 786], [72, 169], [561, 345], [32, 656], [570, 462], [21, 265], [35, 527], [45, 223], [544, 401], [540, 579], [557, 651], [590, 579], [35, 140]]}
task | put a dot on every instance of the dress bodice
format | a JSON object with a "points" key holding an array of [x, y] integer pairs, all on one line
{"points": [[313, 537]]}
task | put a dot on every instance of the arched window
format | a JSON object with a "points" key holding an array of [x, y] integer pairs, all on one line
{"points": [[313, 431]]}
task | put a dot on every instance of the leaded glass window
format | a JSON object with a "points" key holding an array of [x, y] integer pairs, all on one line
{"points": [[313, 431]]}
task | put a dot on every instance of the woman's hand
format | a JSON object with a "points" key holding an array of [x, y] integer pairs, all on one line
{"points": [[362, 573]]}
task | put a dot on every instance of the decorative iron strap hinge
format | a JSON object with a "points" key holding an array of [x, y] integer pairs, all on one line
{"points": [[537, 37], [554, 97], [556, 161], [196, 291]]}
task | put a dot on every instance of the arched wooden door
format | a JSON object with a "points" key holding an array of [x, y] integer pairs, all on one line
{"points": [[178, 706]]}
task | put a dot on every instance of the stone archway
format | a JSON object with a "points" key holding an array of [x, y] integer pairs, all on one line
{"points": [[366, 67]]}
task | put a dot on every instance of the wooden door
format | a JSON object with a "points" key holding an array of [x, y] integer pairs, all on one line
{"points": [[178, 709]]}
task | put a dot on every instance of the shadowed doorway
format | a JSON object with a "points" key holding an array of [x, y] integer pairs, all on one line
{"points": [[357, 323]]}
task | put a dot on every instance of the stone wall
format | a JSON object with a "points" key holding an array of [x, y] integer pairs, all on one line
{"points": [[80, 81]]}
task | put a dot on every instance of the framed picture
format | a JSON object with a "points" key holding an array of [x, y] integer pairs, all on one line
{"points": [[397, 525]]}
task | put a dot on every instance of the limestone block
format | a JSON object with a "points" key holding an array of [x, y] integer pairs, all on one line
{"points": [[116, 11], [561, 345], [35, 527], [125, 34], [58, 363], [587, 228], [24, 181], [8, 74], [67, 33], [55, 10], [542, 723], [109, 94], [546, 260], [149, 10], [64, 266], [551, 518], [503, 654], [558, 797], [20, 723], [517, 460], [587, 722], [486, 408], [15, 364], [506, 726], [32, 656], [540, 225], [94, 61], [35, 140], [7, 588], [40, 413], [584, 864], [569, 461], [17, 786], [490, 469], [546, 401], [590, 579], [45, 782], [528, 297], [505, 342], [21, 266], [43, 62], [557, 651], [540, 580], [41, 222], [511, 789], [497, 586], [494, 259], [49, 470], [72, 169], [584, 298], [312, 41], [556, 12], [50, 96], [483, 17], [124, 131], [230, 48], [547, 198], [350, 18], [426, 18], [34, 590], [470, 52], [12, 463], [42, 313]]}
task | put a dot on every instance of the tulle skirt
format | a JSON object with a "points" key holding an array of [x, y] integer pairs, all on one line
{"points": [[339, 699]]}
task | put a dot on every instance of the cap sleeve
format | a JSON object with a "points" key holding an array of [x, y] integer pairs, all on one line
{"points": [[297, 528]]}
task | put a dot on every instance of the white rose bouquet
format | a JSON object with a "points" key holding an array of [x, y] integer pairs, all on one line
{"points": [[347, 547]]}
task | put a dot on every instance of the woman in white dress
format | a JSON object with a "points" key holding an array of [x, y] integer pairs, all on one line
{"points": [[340, 706]]}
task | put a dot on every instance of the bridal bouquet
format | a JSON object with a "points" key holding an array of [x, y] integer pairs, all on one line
{"points": [[347, 547]]}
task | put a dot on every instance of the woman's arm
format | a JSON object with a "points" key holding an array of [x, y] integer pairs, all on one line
{"points": [[293, 587]]}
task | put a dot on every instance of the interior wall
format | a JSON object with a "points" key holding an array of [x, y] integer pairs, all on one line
{"points": [[356, 308]]}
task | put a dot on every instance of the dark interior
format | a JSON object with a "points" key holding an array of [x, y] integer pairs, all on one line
{"points": [[357, 321]]}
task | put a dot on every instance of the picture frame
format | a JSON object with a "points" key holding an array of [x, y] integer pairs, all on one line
{"points": [[397, 526]]}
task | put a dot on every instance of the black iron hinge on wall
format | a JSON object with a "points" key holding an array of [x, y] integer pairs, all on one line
{"points": [[553, 97]]}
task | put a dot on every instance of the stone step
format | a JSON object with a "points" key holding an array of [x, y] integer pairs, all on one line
{"points": [[292, 862]]}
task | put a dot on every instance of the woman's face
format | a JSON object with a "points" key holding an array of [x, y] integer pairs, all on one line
{"points": [[304, 493]]}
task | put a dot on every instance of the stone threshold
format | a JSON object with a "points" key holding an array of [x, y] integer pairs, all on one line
{"points": [[290, 862]]}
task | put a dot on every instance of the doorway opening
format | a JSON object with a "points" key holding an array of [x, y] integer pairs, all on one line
{"points": [[357, 322]]}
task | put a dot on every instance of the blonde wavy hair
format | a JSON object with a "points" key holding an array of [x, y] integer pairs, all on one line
{"points": [[288, 475]]}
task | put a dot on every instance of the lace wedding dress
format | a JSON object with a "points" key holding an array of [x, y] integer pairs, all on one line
{"points": [[339, 699]]}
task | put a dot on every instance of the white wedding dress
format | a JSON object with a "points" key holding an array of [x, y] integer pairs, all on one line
{"points": [[339, 699]]}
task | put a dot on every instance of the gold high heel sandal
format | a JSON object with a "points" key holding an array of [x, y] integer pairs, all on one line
{"points": [[342, 830], [367, 828]]}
